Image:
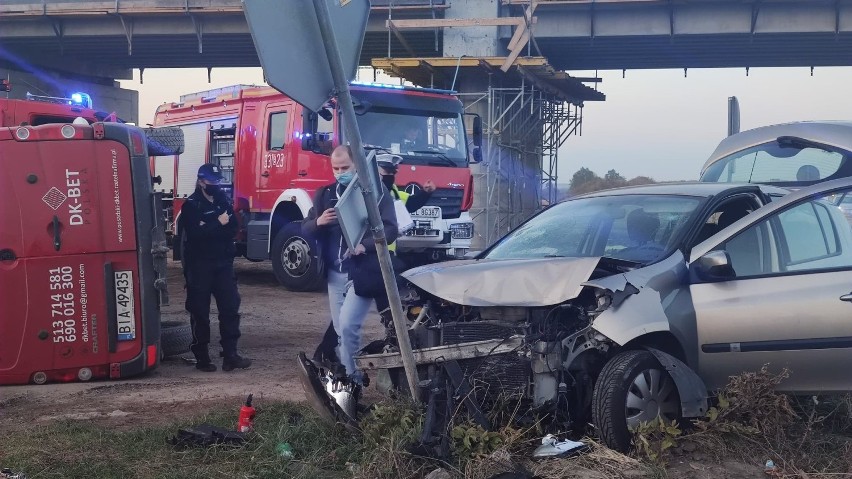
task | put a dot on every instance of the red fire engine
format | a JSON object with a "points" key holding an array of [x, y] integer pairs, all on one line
{"points": [[274, 155]]}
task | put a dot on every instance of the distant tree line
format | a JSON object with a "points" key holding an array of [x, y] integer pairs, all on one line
{"points": [[587, 181]]}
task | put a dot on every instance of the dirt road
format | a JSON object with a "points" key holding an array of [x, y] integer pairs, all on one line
{"points": [[276, 325]]}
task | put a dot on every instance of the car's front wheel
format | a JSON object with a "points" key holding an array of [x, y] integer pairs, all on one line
{"points": [[632, 388]]}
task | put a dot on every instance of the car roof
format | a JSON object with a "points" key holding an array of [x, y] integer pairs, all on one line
{"points": [[685, 188], [833, 133]]}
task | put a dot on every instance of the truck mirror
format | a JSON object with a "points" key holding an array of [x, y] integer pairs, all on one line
{"points": [[309, 129], [326, 114], [477, 131], [477, 155]]}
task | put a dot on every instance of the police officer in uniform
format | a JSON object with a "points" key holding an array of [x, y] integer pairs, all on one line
{"points": [[208, 226]]}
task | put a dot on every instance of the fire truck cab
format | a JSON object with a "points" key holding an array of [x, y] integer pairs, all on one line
{"points": [[274, 155]]}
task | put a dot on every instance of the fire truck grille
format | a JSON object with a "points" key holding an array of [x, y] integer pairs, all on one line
{"points": [[449, 200]]}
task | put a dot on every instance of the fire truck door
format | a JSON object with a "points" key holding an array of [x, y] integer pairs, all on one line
{"points": [[274, 177], [312, 169]]}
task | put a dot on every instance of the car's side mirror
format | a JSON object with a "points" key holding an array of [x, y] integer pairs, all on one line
{"points": [[477, 155], [714, 266]]}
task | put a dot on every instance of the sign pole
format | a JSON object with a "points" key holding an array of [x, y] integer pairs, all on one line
{"points": [[354, 135]]}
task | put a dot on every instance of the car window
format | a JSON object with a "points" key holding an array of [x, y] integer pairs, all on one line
{"points": [[810, 236], [726, 214], [773, 163], [638, 228]]}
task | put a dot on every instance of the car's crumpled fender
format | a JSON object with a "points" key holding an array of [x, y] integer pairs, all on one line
{"points": [[639, 299], [690, 387]]}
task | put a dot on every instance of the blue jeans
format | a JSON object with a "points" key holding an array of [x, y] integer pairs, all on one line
{"points": [[352, 315], [336, 292]]}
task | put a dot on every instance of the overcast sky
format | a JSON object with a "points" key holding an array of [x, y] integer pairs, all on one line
{"points": [[655, 123]]}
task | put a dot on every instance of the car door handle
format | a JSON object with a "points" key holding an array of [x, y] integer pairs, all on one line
{"points": [[846, 297], [265, 174], [7, 255]]}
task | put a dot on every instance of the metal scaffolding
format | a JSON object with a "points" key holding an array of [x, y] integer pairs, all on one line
{"points": [[523, 127]]}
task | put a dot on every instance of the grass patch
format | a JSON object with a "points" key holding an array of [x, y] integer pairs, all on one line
{"points": [[751, 422], [77, 449]]}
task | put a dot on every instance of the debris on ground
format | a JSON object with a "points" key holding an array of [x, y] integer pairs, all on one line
{"points": [[6, 473], [206, 435], [551, 446], [439, 473], [284, 450]]}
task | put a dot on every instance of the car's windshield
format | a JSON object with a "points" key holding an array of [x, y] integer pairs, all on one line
{"points": [[420, 137], [638, 228], [773, 163]]}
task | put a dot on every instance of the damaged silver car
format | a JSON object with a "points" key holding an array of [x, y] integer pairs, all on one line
{"points": [[621, 306]]}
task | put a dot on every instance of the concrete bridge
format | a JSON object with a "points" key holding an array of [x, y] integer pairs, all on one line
{"points": [[107, 38]]}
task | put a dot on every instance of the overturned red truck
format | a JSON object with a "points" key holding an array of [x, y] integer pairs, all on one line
{"points": [[82, 247]]}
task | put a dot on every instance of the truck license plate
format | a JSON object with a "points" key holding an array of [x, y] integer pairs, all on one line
{"points": [[126, 313], [428, 212]]}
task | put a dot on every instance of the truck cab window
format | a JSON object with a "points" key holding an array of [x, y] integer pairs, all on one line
{"points": [[277, 131]]}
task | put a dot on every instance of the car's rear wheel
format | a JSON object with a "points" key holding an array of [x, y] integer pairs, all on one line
{"points": [[632, 388]]}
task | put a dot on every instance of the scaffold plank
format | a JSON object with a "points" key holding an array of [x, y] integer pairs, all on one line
{"points": [[429, 23]]}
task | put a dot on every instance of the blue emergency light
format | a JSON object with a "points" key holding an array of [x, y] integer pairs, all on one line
{"points": [[81, 99]]}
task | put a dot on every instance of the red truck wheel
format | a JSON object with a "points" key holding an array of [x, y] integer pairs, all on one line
{"points": [[293, 260]]}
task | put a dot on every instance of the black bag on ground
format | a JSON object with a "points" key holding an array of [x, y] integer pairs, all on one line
{"points": [[366, 274]]}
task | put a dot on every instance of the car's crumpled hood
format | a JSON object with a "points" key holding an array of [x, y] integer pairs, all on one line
{"points": [[516, 282]]}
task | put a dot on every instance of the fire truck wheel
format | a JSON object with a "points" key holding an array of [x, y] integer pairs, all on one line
{"points": [[164, 141], [175, 338], [293, 260]]}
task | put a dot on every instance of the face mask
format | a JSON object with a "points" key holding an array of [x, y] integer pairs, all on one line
{"points": [[212, 190], [344, 178], [388, 180]]}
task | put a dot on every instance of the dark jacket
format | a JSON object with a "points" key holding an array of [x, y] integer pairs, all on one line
{"points": [[206, 238], [330, 237]]}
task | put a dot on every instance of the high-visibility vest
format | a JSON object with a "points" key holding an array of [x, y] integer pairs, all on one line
{"points": [[403, 196]]}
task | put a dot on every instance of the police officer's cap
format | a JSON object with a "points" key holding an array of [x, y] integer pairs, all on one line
{"points": [[210, 173], [388, 161]]}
